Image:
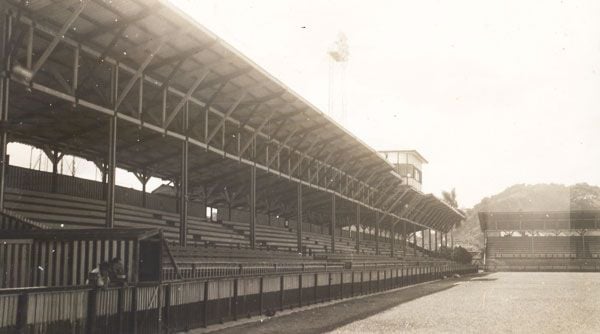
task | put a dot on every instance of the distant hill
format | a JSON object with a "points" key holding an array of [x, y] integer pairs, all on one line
{"points": [[524, 197]]}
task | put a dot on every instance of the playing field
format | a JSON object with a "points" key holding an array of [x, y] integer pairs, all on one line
{"points": [[497, 303], [493, 303]]}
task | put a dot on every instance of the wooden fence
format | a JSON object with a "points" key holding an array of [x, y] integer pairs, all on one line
{"points": [[187, 304]]}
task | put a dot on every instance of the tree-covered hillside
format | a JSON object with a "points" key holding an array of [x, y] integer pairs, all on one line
{"points": [[524, 197]]}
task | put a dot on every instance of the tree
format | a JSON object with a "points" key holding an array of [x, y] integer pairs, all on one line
{"points": [[450, 198], [461, 255]]}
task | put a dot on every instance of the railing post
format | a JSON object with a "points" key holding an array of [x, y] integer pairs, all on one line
{"points": [[22, 306], [120, 309], [341, 285], [91, 311], [281, 292], [300, 290], [260, 296], [352, 290], [316, 288], [134, 307], [167, 314], [205, 313], [330, 295], [362, 280], [235, 298]]}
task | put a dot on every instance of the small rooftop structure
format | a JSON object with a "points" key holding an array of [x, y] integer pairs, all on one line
{"points": [[408, 164]]}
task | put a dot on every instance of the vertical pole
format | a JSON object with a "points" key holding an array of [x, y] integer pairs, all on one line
{"points": [[54, 159], [435, 235], [299, 219], [415, 239], [167, 317], [377, 233], [429, 238], [357, 228], [253, 206], [22, 307], [183, 187], [452, 238], [112, 152], [134, 310], [4, 92], [393, 241], [144, 182], [91, 311], [404, 241], [333, 223]]}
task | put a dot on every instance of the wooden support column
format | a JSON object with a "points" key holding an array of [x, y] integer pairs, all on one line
{"points": [[429, 238], [4, 95], [393, 241], [252, 206], [333, 218], [435, 235], [404, 241], [423, 239], [55, 157], [357, 228], [414, 230], [183, 186], [299, 219], [112, 150], [377, 232], [143, 177], [111, 172]]}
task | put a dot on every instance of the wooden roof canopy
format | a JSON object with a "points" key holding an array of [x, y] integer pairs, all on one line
{"points": [[77, 64]]}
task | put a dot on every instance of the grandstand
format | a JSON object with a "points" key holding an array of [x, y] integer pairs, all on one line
{"points": [[139, 86], [541, 241]]}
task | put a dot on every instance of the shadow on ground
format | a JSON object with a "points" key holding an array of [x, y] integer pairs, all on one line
{"points": [[329, 317]]}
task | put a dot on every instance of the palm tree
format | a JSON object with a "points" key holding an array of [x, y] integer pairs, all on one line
{"points": [[450, 198]]}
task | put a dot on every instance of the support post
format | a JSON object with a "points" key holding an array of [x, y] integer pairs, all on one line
{"points": [[112, 150], [252, 206], [111, 170], [393, 237], [429, 238], [414, 240], [435, 235], [333, 218], [183, 190], [4, 94], [377, 233], [404, 241], [299, 219], [357, 228]]}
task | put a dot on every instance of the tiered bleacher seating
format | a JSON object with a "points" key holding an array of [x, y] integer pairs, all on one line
{"points": [[63, 211], [544, 246]]}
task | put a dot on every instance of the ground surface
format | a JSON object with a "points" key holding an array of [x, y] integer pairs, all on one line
{"points": [[495, 303]]}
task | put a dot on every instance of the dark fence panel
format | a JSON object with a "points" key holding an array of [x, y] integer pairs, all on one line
{"points": [[15, 267], [180, 306]]}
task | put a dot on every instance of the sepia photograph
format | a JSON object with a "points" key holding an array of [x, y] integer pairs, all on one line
{"points": [[299, 166]]}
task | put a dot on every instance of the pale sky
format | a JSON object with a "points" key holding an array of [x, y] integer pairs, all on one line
{"points": [[492, 93]]}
